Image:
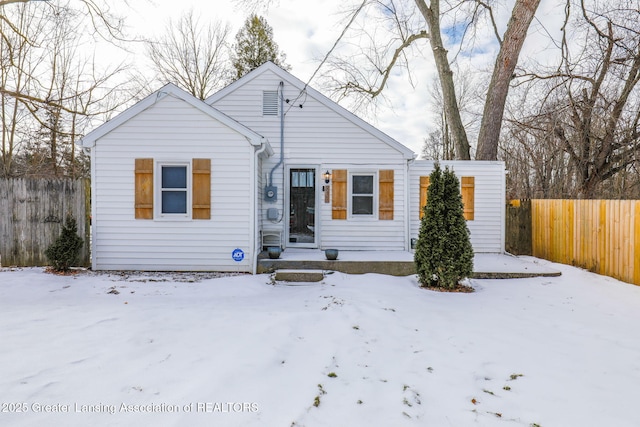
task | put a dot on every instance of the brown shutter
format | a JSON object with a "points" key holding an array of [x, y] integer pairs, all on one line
{"points": [[144, 189], [201, 194], [339, 194], [424, 188], [468, 196], [385, 189]]}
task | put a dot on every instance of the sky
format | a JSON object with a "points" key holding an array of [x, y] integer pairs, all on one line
{"points": [[306, 34], [203, 349]]}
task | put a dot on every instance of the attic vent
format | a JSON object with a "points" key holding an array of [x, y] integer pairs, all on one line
{"points": [[270, 103]]}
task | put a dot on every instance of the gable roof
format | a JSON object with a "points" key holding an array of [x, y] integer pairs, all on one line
{"points": [[171, 90], [300, 85]]}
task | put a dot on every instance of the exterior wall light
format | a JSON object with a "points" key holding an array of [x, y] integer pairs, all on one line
{"points": [[325, 187]]}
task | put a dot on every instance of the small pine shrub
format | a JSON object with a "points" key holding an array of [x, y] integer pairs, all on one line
{"points": [[429, 246], [444, 255], [64, 252]]}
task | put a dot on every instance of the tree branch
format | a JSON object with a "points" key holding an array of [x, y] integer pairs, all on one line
{"points": [[386, 72]]}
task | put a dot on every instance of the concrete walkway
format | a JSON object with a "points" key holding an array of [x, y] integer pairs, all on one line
{"points": [[398, 263]]}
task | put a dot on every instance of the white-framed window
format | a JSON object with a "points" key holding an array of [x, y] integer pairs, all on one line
{"points": [[173, 183], [362, 194]]}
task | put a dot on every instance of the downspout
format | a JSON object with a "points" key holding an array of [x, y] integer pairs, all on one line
{"points": [[89, 149], [407, 207], [256, 217], [281, 89]]}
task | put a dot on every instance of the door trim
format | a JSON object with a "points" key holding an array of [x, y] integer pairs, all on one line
{"points": [[287, 199]]}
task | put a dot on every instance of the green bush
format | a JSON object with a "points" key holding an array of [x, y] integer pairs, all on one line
{"points": [[63, 253], [444, 255]]}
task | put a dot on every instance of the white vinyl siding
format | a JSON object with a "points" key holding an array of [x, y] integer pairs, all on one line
{"points": [[318, 135], [172, 132], [487, 227]]}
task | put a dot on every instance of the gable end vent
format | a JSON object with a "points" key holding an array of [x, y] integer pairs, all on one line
{"points": [[270, 103]]}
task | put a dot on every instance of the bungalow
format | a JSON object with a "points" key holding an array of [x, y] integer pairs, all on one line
{"points": [[184, 184]]}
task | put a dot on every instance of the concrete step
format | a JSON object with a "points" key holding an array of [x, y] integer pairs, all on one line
{"points": [[393, 268], [299, 275]]}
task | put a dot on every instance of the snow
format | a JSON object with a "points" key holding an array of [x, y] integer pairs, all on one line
{"points": [[200, 350], [482, 262]]}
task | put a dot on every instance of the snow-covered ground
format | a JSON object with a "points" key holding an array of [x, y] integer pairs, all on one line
{"points": [[355, 350]]}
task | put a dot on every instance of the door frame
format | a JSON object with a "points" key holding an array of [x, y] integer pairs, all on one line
{"points": [[287, 202]]}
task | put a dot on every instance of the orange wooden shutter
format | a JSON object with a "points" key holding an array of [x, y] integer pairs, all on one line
{"points": [[144, 189], [201, 194], [339, 194], [385, 189], [468, 196], [424, 188]]}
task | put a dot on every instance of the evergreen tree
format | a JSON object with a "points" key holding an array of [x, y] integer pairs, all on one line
{"points": [[444, 255], [429, 246], [254, 46], [63, 253], [458, 252]]}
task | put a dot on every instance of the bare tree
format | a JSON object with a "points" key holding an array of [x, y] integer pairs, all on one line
{"points": [[103, 23], [192, 56], [590, 110], [409, 26], [538, 167], [503, 71], [439, 144], [431, 14], [14, 72], [50, 90]]}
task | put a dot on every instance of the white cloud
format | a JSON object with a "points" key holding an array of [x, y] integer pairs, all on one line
{"points": [[305, 33]]}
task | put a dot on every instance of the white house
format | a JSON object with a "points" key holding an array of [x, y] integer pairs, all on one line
{"points": [[184, 184]]}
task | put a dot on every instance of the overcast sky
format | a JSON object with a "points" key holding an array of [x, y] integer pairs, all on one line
{"points": [[305, 32]]}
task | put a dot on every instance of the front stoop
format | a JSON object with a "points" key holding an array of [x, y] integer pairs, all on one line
{"points": [[299, 275], [393, 268], [485, 266]]}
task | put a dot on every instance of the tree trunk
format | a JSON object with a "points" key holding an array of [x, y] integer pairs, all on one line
{"points": [[452, 113], [521, 17]]}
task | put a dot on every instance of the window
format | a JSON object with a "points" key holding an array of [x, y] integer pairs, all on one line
{"points": [[361, 195], [302, 178], [362, 191], [270, 103], [173, 190], [467, 191]]}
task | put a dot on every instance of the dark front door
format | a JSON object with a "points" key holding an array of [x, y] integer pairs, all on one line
{"points": [[302, 207]]}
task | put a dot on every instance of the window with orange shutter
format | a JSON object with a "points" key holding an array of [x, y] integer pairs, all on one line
{"points": [[177, 189]]}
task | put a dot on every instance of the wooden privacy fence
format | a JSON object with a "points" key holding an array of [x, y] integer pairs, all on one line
{"points": [[518, 228], [32, 212], [602, 236]]}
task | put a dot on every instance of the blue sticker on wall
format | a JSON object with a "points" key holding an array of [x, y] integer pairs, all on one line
{"points": [[237, 255]]}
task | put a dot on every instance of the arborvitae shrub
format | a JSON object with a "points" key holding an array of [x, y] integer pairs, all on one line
{"points": [[429, 246], [444, 255], [64, 252]]}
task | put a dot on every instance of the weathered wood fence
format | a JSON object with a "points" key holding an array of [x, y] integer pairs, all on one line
{"points": [[518, 228], [32, 212], [602, 236]]}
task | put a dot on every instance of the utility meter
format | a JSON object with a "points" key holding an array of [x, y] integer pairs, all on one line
{"points": [[270, 193]]}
